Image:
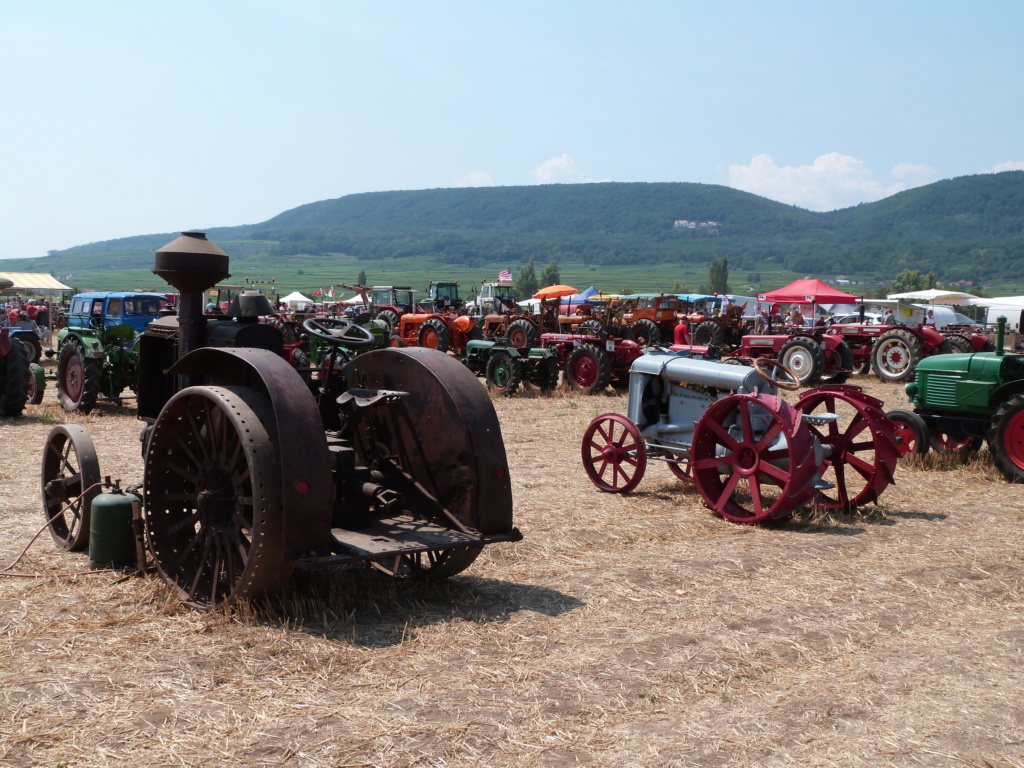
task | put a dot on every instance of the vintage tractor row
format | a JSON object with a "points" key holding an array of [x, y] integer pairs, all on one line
{"points": [[248, 477], [894, 352], [961, 400], [752, 456]]}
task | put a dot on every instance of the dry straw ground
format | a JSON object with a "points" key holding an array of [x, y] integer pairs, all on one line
{"points": [[637, 631]]}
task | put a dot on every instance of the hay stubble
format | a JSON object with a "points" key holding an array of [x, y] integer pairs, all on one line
{"points": [[634, 631]]}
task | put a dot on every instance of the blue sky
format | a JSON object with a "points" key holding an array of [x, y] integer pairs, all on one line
{"points": [[127, 118]]}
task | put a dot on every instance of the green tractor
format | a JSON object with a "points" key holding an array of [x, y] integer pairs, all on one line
{"points": [[97, 352], [961, 400], [506, 367]]}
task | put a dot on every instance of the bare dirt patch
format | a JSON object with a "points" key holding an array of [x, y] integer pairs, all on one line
{"points": [[623, 631]]}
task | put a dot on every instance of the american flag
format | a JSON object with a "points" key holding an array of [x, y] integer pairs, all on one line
{"points": [[505, 276]]}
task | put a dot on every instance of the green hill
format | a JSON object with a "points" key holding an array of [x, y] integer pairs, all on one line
{"points": [[970, 228]]}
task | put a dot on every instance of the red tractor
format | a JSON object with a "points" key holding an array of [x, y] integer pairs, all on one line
{"points": [[814, 357], [589, 362], [895, 350]]}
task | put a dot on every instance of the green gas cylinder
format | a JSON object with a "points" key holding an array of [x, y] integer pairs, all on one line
{"points": [[111, 534]]}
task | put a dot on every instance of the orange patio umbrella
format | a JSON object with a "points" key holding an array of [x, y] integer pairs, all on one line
{"points": [[555, 291]]}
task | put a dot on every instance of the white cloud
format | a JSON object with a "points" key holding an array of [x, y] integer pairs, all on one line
{"points": [[832, 181], [1009, 165], [561, 170], [475, 179], [914, 174]]}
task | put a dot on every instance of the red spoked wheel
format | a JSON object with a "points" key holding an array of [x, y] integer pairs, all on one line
{"points": [[863, 442], [911, 432], [614, 453], [752, 458]]}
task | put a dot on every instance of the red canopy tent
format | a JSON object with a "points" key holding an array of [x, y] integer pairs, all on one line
{"points": [[808, 291]]}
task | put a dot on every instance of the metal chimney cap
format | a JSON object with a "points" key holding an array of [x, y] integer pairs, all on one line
{"points": [[192, 242], [191, 263]]}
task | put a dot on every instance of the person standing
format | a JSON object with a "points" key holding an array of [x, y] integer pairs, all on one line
{"points": [[889, 318]]}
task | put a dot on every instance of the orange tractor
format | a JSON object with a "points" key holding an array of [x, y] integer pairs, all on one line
{"points": [[443, 326]]}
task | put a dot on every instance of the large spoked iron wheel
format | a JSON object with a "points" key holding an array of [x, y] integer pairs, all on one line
{"points": [[431, 565], [442, 435], [864, 445], [70, 479], [213, 497], [614, 453], [752, 458], [78, 379]]}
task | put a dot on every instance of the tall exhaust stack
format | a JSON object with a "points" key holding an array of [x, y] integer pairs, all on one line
{"points": [[192, 264]]}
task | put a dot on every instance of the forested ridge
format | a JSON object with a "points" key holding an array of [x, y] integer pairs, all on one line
{"points": [[968, 228]]}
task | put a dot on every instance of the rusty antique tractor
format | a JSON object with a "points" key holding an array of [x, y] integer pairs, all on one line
{"points": [[248, 478], [752, 456]]}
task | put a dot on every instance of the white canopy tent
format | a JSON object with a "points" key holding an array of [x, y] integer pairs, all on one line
{"points": [[32, 281], [1010, 307], [934, 296], [296, 298]]}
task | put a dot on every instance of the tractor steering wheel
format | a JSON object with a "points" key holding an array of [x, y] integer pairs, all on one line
{"points": [[338, 331], [774, 368]]}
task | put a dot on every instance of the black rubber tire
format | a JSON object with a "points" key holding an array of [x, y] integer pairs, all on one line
{"points": [[803, 357], [440, 330], [591, 327], [522, 333], [862, 369], [83, 374], [988, 346], [645, 332], [543, 374], [588, 369], [905, 419], [394, 340], [36, 384], [838, 365], [503, 373], [14, 375], [390, 317], [707, 334], [960, 343], [1006, 438], [902, 342]]}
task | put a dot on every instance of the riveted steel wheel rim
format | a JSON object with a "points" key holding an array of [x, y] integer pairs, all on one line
{"points": [[213, 497]]}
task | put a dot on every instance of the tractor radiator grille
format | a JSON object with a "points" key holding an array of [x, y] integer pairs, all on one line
{"points": [[940, 391]]}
